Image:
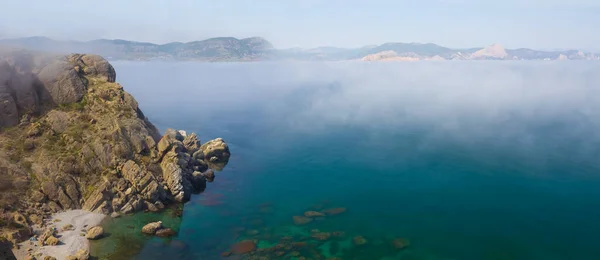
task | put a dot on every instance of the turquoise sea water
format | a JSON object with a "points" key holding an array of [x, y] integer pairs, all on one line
{"points": [[464, 160]]}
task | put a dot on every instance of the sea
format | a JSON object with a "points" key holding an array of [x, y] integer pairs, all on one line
{"points": [[412, 160]]}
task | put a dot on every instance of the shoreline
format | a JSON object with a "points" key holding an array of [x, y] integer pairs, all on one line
{"points": [[71, 241]]}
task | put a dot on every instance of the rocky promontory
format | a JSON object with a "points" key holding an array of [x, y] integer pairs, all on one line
{"points": [[73, 138]]}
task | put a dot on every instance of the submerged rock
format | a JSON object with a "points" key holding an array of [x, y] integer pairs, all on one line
{"points": [[359, 240], [338, 234], [313, 214], [243, 247], [165, 232], [300, 220], [334, 211], [322, 236], [400, 243]]}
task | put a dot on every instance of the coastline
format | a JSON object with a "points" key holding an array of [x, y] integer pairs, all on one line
{"points": [[71, 241]]}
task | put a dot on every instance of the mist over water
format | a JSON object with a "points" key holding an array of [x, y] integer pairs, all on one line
{"points": [[467, 160]]}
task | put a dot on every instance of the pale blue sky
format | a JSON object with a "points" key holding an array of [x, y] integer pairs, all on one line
{"points": [[543, 24]]}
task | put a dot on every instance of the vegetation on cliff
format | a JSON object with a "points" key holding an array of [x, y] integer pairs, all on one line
{"points": [[72, 138]]}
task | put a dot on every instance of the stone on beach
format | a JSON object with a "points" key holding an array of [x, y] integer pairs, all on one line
{"points": [[68, 227], [82, 254], [51, 241]]}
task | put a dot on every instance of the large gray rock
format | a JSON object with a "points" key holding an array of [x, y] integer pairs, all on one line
{"points": [[62, 82]]}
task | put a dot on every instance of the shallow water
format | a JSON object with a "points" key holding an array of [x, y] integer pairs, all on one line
{"points": [[465, 160]]}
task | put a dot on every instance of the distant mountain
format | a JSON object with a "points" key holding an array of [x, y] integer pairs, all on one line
{"points": [[259, 49], [214, 49]]}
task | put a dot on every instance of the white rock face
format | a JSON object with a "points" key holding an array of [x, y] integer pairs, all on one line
{"points": [[492, 51]]}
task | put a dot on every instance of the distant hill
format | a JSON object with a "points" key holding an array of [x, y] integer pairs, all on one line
{"points": [[259, 49], [214, 49]]}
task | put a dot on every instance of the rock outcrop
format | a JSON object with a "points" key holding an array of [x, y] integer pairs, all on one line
{"points": [[71, 138]]}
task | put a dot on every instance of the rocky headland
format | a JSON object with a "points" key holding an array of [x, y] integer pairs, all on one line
{"points": [[72, 138]]}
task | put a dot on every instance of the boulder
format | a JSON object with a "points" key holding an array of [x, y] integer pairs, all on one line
{"points": [[216, 150], [152, 227], [51, 241], [49, 232], [198, 180], [95, 233], [67, 227], [209, 175], [62, 82], [98, 67]]}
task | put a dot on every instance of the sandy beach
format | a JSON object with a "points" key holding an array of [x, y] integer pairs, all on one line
{"points": [[70, 241]]}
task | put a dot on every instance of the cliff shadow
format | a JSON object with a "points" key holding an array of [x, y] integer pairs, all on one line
{"points": [[6, 251]]}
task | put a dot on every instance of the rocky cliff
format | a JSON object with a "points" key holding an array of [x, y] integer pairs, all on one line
{"points": [[71, 137]]}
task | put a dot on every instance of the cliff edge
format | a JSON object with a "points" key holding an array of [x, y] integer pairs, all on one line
{"points": [[72, 138]]}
